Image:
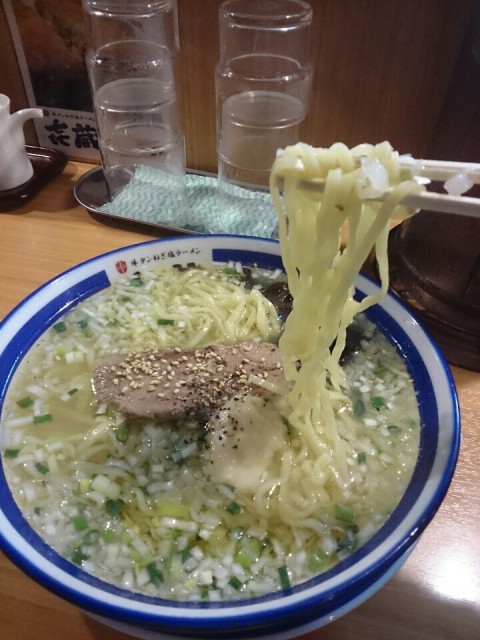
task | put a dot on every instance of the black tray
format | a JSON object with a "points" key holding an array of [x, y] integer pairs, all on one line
{"points": [[47, 164]]}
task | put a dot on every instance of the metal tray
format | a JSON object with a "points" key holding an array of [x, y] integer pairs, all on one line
{"points": [[91, 192]]}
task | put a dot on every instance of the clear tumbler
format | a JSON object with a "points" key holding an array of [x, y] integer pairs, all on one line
{"points": [[263, 86], [131, 60]]}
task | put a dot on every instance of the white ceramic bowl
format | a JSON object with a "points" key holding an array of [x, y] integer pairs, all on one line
{"points": [[280, 615]]}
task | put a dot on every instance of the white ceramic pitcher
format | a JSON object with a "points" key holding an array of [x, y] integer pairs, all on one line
{"points": [[15, 165]]}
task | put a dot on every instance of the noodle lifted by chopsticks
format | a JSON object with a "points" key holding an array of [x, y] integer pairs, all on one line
{"points": [[321, 273]]}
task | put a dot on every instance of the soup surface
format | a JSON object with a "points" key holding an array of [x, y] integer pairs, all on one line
{"points": [[187, 510]]}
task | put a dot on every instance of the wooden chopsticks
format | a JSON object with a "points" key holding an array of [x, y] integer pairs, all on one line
{"points": [[441, 170], [444, 203], [427, 171]]}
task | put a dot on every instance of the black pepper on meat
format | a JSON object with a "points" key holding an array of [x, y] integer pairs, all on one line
{"points": [[172, 383]]}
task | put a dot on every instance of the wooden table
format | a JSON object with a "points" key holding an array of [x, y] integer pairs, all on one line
{"points": [[435, 596]]}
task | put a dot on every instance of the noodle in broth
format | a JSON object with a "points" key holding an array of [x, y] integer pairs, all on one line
{"points": [[278, 487]]}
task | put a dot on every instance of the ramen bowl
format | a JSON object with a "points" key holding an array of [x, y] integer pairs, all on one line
{"points": [[294, 610]]}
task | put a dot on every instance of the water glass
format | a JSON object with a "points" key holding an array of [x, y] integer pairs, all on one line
{"points": [[131, 67], [263, 86]]}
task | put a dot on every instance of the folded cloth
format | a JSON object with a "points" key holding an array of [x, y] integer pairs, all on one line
{"points": [[156, 197]]}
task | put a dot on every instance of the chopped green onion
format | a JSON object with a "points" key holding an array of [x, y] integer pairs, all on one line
{"points": [[378, 402], [122, 432], [72, 392], [80, 523], [163, 322], [316, 560], [349, 540], [11, 453], [91, 537], [230, 271], [380, 370], [284, 577], [185, 553], [137, 281], [233, 507], [85, 329], [156, 576], [394, 430], [41, 468], [108, 535], [344, 513], [361, 457], [114, 508], [46, 417], [125, 299], [248, 553], [289, 426], [78, 556], [24, 403], [235, 583], [359, 407], [60, 327]]}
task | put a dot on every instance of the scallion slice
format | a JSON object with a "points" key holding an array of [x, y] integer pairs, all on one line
{"points": [[316, 560], [80, 522], [108, 535], [122, 432], [233, 507], [235, 583], [284, 577], [164, 322], [155, 575], [137, 281], [91, 537], [359, 407], [25, 402], [394, 429], [344, 513], [11, 453], [78, 556], [41, 468], [378, 402], [85, 329], [248, 553], [114, 508], [289, 426], [185, 553], [46, 417]]}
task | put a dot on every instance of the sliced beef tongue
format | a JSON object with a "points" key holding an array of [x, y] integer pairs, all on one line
{"points": [[178, 382]]}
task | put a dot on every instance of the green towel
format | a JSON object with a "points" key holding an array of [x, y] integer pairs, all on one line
{"points": [[154, 196]]}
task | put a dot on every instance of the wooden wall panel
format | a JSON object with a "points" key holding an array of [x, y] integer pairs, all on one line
{"points": [[382, 69]]}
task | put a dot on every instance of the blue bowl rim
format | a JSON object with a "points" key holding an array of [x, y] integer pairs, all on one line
{"points": [[301, 599]]}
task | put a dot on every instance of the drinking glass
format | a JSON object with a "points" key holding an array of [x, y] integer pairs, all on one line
{"points": [[263, 86], [131, 62]]}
